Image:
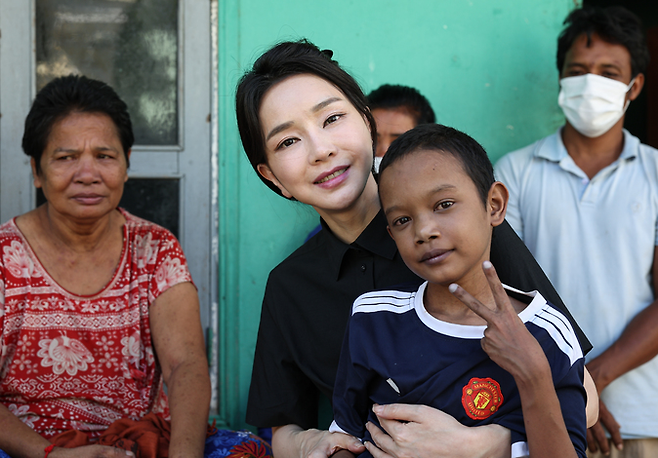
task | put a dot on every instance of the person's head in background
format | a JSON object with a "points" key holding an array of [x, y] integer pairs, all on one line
{"points": [[602, 56], [397, 109]]}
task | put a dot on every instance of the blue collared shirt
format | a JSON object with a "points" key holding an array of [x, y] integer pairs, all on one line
{"points": [[595, 240]]}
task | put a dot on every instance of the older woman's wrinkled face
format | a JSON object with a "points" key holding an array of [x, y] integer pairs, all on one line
{"points": [[83, 167]]}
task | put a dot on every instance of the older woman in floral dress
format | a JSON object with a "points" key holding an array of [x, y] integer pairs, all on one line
{"points": [[97, 307]]}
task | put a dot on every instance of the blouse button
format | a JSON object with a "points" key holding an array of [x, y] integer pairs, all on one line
{"points": [[363, 267]]}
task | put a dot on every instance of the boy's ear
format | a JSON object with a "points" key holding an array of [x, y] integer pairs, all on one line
{"points": [[497, 199], [265, 171]]}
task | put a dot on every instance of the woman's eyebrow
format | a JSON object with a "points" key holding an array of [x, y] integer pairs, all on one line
{"points": [[314, 109], [277, 129], [324, 103]]}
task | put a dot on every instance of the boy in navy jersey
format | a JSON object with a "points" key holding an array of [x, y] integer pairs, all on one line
{"points": [[462, 342]]}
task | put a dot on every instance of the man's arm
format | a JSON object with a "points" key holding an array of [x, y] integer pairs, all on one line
{"points": [[637, 345]]}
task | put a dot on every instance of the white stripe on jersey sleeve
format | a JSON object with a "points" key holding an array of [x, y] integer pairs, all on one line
{"points": [[559, 328], [539, 313]]}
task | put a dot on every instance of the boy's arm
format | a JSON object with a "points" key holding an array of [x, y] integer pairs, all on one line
{"points": [[544, 423], [510, 345]]}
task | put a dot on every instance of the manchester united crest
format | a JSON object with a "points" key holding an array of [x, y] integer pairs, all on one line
{"points": [[481, 398]]}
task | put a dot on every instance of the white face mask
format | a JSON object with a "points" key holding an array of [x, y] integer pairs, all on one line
{"points": [[378, 160], [593, 103]]}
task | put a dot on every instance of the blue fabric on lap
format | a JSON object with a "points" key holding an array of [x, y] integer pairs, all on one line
{"points": [[225, 443], [235, 444]]}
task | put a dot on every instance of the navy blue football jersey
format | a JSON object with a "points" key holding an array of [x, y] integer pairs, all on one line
{"points": [[396, 352]]}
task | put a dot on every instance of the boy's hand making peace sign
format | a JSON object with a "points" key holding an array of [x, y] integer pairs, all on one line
{"points": [[506, 340], [510, 345]]}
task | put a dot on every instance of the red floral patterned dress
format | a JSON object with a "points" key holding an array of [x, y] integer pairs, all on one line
{"points": [[82, 362]]}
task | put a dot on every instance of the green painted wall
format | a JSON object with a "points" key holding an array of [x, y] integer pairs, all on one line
{"points": [[487, 67]]}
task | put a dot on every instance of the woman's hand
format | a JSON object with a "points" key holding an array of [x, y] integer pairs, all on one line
{"points": [[422, 431], [291, 441], [19, 440], [89, 451]]}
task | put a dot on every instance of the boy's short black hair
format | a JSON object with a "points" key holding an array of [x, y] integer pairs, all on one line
{"points": [[392, 96], [614, 24], [73, 94], [438, 137]]}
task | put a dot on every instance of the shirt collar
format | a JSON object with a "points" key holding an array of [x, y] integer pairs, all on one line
{"points": [[553, 149], [374, 239]]}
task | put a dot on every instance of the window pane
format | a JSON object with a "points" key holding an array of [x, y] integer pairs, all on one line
{"points": [[154, 199], [130, 44]]}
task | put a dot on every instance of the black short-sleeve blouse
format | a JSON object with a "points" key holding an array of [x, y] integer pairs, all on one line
{"points": [[307, 303]]}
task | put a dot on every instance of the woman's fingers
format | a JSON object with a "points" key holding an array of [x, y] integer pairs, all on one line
{"points": [[376, 452], [399, 412], [331, 443], [382, 443], [422, 431]]}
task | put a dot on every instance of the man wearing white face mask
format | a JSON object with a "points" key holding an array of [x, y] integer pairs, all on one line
{"points": [[585, 202]]}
